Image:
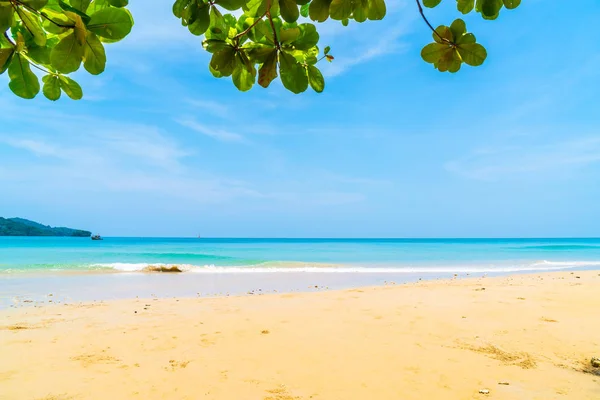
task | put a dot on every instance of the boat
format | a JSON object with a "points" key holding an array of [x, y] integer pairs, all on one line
{"points": [[96, 237]]}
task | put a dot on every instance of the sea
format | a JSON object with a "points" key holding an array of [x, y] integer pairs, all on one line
{"points": [[81, 269]]}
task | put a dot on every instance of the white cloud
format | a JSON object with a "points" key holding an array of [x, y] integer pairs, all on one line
{"points": [[359, 43], [215, 133], [386, 45], [214, 108], [519, 161]]}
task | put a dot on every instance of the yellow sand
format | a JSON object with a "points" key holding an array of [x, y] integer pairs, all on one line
{"points": [[429, 340]]}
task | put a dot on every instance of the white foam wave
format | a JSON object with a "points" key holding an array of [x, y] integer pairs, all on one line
{"points": [[295, 267]]}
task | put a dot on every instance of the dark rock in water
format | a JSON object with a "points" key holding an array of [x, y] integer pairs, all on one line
{"points": [[162, 268], [595, 362]]}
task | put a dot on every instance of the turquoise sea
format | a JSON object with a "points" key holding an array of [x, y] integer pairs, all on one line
{"points": [[56, 255]]}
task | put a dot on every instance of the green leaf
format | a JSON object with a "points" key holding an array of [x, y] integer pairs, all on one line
{"points": [[67, 54], [458, 28], [289, 10], [23, 82], [80, 28], [377, 9], [111, 23], [293, 74], [472, 54], [345, 22], [51, 87], [217, 28], [326, 50], [214, 45], [118, 3], [289, 35], [81, 5], [433, 52], [258, 53], [58, 17], [340, 9], [70, 87], [467, 38], [512, 4], [302, 2], [315, 79], [268, 71], [360, 11], [244, 72], [41, 55], [94, 56], [201, 20], [490, 9], [35, 4], [310, 56], [6, 17], [66, 7], [96, 6], [443, 32], [448, 61], [319, 10], [179, 6], [255, 8], [465, 6], [222, 62], [5, 58], [231, 5], [431, 3], [33, 25], [304, 10], [309, 37]]}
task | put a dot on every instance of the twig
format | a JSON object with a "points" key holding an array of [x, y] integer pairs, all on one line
{"points": [[428, 24], [33, 10], [34, 65], [268, 14], [250, 27]]}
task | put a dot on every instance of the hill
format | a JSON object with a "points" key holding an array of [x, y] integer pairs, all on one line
{"points": [[25, 227]]}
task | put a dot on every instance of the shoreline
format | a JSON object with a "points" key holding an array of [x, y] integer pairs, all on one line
{"points": [[432, 339], [24, 289]]}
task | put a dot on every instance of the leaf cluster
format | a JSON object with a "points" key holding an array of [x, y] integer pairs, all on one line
{"points": [[266, 41], [452, 45], [57, 37]]}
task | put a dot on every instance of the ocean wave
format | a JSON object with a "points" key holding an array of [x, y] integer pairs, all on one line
{"points": [[296, 267], [558, 247]]}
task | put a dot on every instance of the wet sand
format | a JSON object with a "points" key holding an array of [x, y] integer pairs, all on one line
{"points": [[517, 337]]}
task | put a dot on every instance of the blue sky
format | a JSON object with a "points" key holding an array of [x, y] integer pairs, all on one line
{"points": [[392, 148]]}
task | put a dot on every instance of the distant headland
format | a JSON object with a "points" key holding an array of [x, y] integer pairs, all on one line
{"points": [[24, 227]]}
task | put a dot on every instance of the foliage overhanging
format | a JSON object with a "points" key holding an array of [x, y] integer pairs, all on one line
{"points": [[270, 39]]}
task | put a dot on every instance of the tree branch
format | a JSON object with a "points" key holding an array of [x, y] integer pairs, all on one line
{"points": [[428, 24], [250, 27], [268, 14]]}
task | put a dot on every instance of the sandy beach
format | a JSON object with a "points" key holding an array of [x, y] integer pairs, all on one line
{"points": [[518, 337]]}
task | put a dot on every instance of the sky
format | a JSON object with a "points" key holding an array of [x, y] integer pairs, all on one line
{"points": [[392, 148]]}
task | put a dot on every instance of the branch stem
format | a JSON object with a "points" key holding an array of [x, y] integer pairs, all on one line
{"points": [[428, 23], [33, 10], [268, 14], [250, 27], [34, 65]]}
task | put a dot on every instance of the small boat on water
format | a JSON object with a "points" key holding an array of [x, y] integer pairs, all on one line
{"points": [[96, 237]]}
